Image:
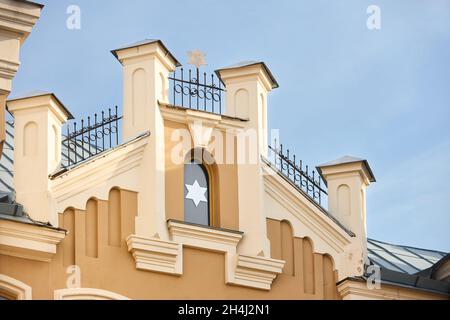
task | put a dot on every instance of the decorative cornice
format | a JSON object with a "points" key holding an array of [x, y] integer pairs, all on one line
{"points": [[208, 238], [257, 272], [183, 115], [19, 17], [40, 101], [250, 70], [156, 255], [357, 289], [8, 69], [145, 49], [204, 237], [249, 271], [29, 241]]}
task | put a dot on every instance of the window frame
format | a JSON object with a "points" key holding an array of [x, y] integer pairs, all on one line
{"points": [[197, 156]]}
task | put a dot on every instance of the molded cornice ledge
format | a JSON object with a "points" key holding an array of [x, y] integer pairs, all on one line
{"points": [[249, 271], [356, 288], [257, 272], [152, 254], [147, 48], [17, 19], [29, 241], [156, 255], [203, 237], [186, 116], [19, 16]]}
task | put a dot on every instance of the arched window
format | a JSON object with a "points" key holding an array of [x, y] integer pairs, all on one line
{"points": [[12, 289], [87, 294], [196, 193]]}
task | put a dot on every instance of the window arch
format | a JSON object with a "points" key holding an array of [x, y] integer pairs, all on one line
{"points": [[197, 206], [87, 294], [12, 289]]}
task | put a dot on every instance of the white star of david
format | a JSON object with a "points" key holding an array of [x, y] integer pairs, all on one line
{"points": [[196, 193]]}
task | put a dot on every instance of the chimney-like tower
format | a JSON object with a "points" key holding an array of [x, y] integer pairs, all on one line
{"points": [[248, 85], [146, 67], [38, 118], [347, 179], [17, 19]]}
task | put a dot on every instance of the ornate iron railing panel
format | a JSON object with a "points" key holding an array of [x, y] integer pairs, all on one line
{"points": [[197, 91], [97, 134], [309, 181]]}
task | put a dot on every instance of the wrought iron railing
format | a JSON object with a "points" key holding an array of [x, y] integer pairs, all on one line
{"points": [[196, 90], [97, 134], [309, 181]]}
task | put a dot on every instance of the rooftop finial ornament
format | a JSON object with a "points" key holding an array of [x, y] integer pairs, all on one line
{"points": [[196, 58]]}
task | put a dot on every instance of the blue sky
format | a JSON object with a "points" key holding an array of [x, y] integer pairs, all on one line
{"points": [[382, 95]]}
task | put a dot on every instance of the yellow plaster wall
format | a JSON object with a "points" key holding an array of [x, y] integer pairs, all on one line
{"points": [[108, 266], [96, 244], [309, 275]]}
